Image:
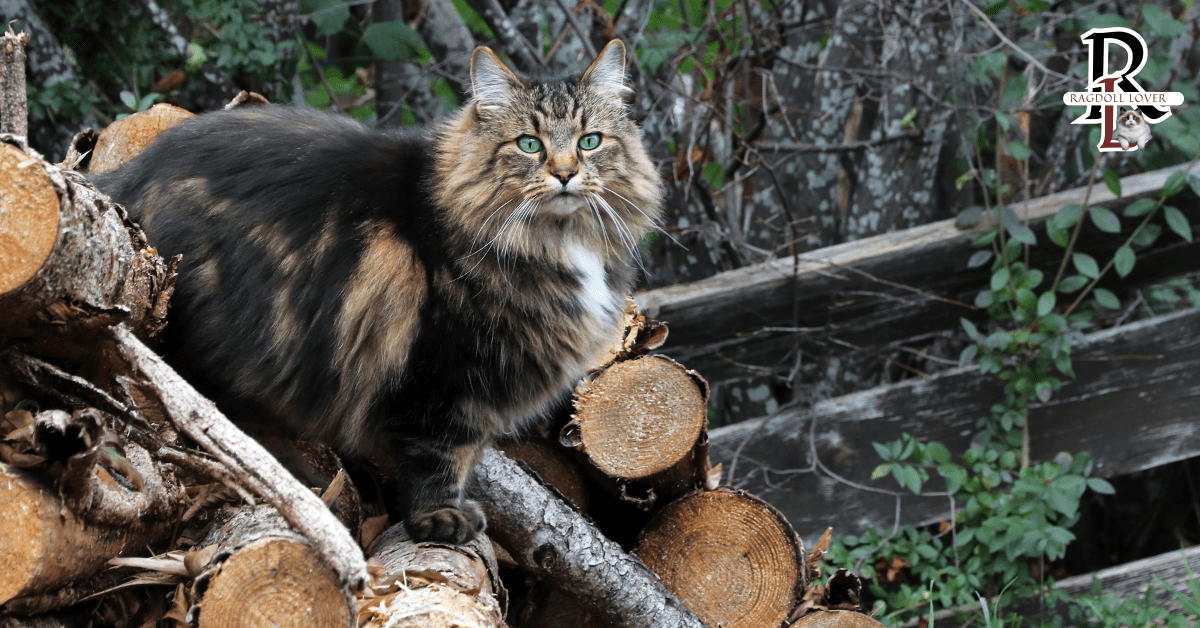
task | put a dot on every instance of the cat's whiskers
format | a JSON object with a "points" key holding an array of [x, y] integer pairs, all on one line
{"points": [[599, 221], [490, 244], [653, 225], [631, 244]]}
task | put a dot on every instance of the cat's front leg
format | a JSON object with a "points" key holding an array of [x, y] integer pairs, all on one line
{"points": [[432, 478]]}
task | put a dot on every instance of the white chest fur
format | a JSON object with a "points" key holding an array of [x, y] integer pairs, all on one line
{"points": [[595, 297]]}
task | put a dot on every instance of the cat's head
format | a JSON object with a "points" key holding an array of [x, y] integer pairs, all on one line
{"points": [[1130, 118], [526, 160]]}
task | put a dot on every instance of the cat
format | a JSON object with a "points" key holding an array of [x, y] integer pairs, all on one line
{"points": [[403, 296], [1132, 129]]}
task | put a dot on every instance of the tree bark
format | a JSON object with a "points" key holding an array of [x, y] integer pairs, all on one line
{"points": [[731, 557], [68, 255], [548, 538], [14, 116], [449, 40]]}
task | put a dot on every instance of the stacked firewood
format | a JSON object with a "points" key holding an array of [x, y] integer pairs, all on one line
{"points": [[128, 499]]}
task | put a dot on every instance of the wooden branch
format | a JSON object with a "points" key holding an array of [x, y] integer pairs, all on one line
{"points": [[68, 255], [715, 321], [253, 466], [526, 57], [433, 584], [731, 557], [548, 538], [1150, 369], [14, 115], [449, 40], [263, 568]]}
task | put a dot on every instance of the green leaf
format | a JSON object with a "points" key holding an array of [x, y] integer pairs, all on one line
{"points": [[129, 99], [1072, 284], [1146, 235], [979, 259], [1107, 299], [884, 451], [1027, 300], [969, 218], [1085, 264], [715, 174], [963, 178], [938, 452], [1178, 222], [1019, 150], [881, 471], [1000, 278], [1113, 181], [330, 21], [1105, 219], [1140, 207], [1174, 184], [392, 41], [1046, 303], [1123, 260], [1002, 121], [912, 479], [1022, 234], [1066, 217], [1161, 22], [1061, 237], [1101, 486], [907, 121]]}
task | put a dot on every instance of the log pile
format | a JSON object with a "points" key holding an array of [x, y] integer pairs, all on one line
{"points": [[128, 499]]}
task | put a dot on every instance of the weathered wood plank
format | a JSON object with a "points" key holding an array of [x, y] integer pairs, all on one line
{"points": [[719, 321], [1135, 405]]}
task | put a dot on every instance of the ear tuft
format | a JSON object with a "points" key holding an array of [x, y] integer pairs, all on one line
{"points": [[606, 75], [491, 82]]}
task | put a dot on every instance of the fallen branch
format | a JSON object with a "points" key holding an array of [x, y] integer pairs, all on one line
{"points": [[251, 464], [548, 538]]}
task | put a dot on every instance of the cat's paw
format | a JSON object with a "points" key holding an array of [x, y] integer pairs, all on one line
{"points": [[447, 525]]}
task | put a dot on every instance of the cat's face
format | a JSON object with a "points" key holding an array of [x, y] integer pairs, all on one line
{"points": [[1130, 118], [536, 154]]}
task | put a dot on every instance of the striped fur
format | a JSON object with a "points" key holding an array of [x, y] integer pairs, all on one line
{"points": [[404, 296]]}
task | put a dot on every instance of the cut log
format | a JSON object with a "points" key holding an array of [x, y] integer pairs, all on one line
{"points": [[124, 139], [14, 115], [68, 255], [550, 540], [266, 574], [552, 466], [727, 555], [44, 545], [431, 585], [836, 619], [641, 423]]}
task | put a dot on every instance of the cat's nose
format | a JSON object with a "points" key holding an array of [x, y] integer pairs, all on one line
{"points": [[564, 175]]}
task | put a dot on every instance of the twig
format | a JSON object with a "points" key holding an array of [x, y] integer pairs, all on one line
{"points": [[321, 75], [587, 42], [1020, 51]]}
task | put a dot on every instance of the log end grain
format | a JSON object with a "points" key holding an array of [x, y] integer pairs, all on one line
{"points": [[728, 556], [28, 217], [42, 545], [836, 619], [274, 582], [639, 417], [125, 138]]}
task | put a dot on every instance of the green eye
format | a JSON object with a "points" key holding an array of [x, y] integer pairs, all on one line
{"points": [[529, 143], [589, 141]]}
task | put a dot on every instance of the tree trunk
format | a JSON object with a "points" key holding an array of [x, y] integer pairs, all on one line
{"points": [[548, 538], [731, 557]]}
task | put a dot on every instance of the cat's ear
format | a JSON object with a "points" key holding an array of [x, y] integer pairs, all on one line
{"points": [[491, 82], [606, 75]]}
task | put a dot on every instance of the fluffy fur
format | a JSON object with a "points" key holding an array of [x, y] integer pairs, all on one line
{"points": [[1132, 130], [405, 297]]}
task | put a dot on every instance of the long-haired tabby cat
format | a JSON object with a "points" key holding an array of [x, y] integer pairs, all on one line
{"points": [[396, 293]]}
